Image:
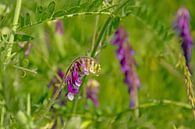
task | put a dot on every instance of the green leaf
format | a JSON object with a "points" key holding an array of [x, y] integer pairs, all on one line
{"points": [[75, 2], [21, 21], [51, 8], [84, 6], [94, 5], [74, 9], [115, 22], [27, 19], [44, 16], [22, 38], [39, 12], [59, 14]]}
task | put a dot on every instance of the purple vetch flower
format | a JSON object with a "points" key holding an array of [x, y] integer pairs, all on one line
{"points": [[181, 25], [59, 27], [78, 69], [125, 54], [92, 90]]}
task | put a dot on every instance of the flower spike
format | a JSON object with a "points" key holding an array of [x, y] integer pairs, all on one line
{"points": [[78, 69]]}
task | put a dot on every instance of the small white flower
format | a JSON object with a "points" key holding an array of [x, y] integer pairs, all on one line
{"points": [[70, 96]]}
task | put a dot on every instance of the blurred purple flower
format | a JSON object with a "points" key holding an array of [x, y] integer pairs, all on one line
{"points": [[27, 47], [125, 54], [181, 25], [92, 91], [79, 69], [59, 27]]}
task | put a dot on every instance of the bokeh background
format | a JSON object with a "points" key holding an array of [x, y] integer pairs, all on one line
{"points": [[156, 67]]}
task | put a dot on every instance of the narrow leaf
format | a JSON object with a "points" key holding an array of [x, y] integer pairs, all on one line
{"points": [[51, 8]]}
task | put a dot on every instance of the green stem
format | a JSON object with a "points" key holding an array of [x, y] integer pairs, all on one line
{"points": [[153, 104], [14, 28], [28, 105], [102, 32], [136, 103], [46, 108], [95, 31], [148, 105], [69, 16], [2, 115]]}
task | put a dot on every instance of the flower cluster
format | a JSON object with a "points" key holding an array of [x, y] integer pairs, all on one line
{"points": [[181, 26], [125, 54], [79, 68], [92, 90]]}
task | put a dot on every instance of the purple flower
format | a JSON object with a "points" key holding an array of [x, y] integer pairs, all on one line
{"points": [[92, 91], [27, 47], [181, 26], [125, 54], [59, 27], [81, 67]]}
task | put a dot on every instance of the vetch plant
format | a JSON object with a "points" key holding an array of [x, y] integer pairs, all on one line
{"points": [[182, 26], [38, 38], [125, 54], [79, 68]]}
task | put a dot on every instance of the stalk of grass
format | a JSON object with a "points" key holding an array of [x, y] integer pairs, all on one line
{"points": [[28, 105], [2, 115], [14, 28], [187, 82]]}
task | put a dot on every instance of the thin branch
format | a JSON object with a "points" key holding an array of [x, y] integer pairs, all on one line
{"points": [[14, 28]]}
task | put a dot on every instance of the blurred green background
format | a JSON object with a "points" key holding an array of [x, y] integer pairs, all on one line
{"points": [[159, 77]]}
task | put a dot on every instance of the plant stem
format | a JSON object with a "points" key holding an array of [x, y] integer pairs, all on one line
{"points": [[147, 105], [153, 104], [187, 82], [136, 103], [47, 107], [2, 115], [189, 88], [95, 31], [14, 28], [100, 36], [69, 16], [28, 105]]}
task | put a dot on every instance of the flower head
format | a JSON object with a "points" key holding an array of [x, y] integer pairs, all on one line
{"points": [[125, 54], [79, 68], [181, 26]]}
